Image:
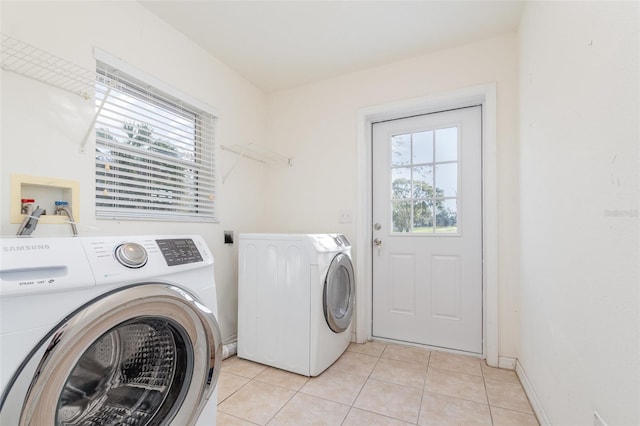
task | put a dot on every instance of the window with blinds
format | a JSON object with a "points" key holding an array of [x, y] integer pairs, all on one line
{"points": [[154, 153]]}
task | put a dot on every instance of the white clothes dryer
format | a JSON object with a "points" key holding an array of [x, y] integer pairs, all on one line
{"points": [[296, 295], [108, 330]]}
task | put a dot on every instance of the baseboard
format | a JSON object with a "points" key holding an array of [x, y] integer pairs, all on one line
{"points": [[531, 394], [506, 362]]}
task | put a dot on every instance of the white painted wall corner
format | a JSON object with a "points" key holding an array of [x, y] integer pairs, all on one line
{"points": [[532, 395], [507, 363]]}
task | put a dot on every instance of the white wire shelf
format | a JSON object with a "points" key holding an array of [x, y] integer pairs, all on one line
{"points": [[34, 63], [29, 61], [256, 153]]}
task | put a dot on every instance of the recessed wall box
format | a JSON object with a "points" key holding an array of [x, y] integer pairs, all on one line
{"points": [[45, 192]]}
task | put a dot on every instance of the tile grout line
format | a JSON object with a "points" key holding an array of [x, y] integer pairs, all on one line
{"points": [[232, 393], [491, 406], [424, 386], [467, 374], [283, 405], [486, 392], [361, 388], [380, 357], [239, 418], [351, 406]]}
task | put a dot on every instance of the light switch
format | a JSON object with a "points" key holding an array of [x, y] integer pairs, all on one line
{"points": [[345, 216]]}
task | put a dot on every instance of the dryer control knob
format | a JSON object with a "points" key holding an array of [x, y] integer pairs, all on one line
{"points": [[131, 255]]}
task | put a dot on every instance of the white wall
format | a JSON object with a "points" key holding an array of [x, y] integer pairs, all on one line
{"points": [[42, 127], [580, 324], [317, 125]]}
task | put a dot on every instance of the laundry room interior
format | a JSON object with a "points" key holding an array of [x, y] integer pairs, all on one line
{"points": [[559, 86]]}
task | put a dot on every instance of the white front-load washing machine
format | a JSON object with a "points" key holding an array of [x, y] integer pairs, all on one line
{"points": [[108, 330], [296, 295]]}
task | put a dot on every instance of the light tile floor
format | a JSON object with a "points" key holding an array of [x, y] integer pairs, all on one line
{"points": [[375, 384]]}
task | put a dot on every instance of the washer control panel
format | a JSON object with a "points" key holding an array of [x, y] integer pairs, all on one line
{"points": [[117, 259], [52, 264], [179, 251]]}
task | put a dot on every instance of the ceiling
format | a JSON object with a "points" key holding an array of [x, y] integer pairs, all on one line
{"points": [[282, 44]]}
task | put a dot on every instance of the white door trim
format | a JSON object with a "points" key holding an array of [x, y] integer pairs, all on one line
{"points": [[484, 95]]}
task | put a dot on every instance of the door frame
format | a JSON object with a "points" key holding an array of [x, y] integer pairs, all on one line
{"points": [[484, 95]]}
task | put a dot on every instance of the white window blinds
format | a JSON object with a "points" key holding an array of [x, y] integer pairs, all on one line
{"points": [[154, 153]]}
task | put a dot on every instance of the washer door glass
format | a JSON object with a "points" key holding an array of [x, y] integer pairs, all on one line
{"points": [[137, 371], [148, 354], [338, 294]]}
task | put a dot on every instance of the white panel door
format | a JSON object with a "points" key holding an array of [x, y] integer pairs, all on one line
{"points": [[427, 216]]}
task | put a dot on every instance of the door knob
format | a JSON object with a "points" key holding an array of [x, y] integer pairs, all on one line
{"points": [[377, 242]]}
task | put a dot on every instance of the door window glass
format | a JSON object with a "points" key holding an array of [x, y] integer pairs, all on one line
{"points": [[401, 150], [447, 144], [446, 216], [424, 181], [447, 182], [422, 147]]}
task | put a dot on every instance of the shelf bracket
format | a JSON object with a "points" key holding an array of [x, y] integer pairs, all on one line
{"points": [[85, 139], [240, 157]]}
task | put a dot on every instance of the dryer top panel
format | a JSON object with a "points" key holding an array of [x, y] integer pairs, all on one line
{"points": [[320, 242]]}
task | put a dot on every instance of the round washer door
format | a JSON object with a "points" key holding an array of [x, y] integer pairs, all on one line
{"points": [[144, 355], [338, 293]]}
